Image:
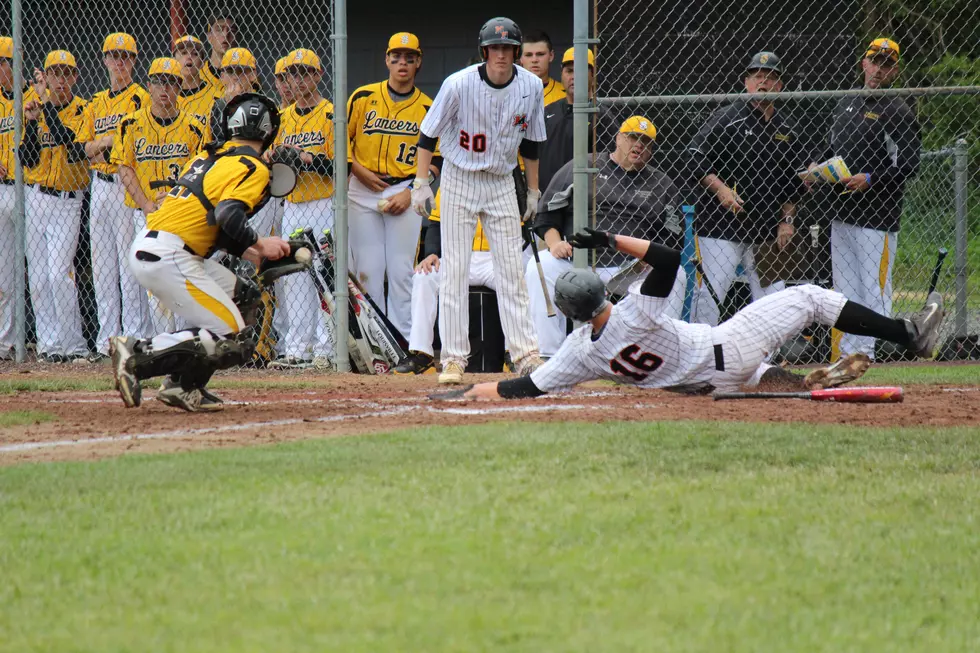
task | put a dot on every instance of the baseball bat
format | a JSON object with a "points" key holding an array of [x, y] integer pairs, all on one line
{"points": [[936, 270], [856, 395], [544, 286], [707, 282]]}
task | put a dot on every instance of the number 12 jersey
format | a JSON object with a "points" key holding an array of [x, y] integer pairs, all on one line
{"points": [[384, 134]]}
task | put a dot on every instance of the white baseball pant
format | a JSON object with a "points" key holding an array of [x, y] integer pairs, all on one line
{"points": [[155, 317], [720, 260], [306, 335], [383, 243], [466, 196], [862, 261], [118, 295], [53, 222], [8, 272]]}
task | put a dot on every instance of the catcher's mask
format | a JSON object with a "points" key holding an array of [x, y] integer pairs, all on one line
{"points": [[253, 117]]}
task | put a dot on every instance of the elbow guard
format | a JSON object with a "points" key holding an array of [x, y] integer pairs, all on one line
{"points": [[427, 142]]}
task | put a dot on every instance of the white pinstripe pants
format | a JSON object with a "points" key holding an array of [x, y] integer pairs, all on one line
{"points": [[492, 198]]}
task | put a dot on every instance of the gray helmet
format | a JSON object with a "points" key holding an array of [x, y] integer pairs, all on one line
{"points": [[580, 294], [765, 61], [253, 117]]}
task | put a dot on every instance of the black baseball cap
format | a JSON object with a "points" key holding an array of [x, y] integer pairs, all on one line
{"points": [[765, 61]]}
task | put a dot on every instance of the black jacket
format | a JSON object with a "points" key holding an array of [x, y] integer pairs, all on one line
{"points": [[557, 150], [878, 136], [759, 159]]}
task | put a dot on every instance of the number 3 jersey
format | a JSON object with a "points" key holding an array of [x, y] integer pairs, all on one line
{"points": [[384, 134], [639, 345], [157, 148]]}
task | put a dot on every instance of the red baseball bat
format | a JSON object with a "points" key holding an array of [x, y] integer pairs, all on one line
{"points": [[856, 395]]}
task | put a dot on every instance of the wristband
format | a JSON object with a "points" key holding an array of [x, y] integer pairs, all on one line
{"points": [[867, 178], [788, 219]]}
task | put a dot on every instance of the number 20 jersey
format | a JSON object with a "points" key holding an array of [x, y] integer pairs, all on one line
{"points": [[384, 134]]}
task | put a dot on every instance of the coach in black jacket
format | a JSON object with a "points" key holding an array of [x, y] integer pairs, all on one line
{"points": [[878, 139], [557, 150]]}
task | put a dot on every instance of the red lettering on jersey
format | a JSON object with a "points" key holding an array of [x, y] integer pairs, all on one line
{"points": [[521, 121], [640, 362], [478, 143]]}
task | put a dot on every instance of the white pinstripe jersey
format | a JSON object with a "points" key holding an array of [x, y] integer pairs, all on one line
{"points": [[479, 125], [639, 345]]}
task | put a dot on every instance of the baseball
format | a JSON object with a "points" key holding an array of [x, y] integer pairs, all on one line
{"points": [[303, 255], [382, 205]]}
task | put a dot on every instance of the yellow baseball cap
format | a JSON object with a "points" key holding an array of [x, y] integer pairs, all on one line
{"points": [[119, 42], [59, 58], [404, 41], [165, 66], [238, 58], [188, 40], [882, 47], [569, 57], [6, 47], [303, 57], [639, 125], [281, 66]]}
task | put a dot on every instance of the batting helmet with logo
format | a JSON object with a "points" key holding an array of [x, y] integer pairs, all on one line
{"points": [[500, 31]]}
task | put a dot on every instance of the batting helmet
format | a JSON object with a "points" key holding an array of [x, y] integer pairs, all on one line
{"points": [[500, 31], [580, 294], [252, 117]]}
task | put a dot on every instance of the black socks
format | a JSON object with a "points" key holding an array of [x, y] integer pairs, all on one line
{"points": [[862, 321]]}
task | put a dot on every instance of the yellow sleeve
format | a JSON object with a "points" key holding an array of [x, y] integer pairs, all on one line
{"points": [[77, 122], [86, 131], [434, 214], [328, 133], [123, 145], [249, 179]]}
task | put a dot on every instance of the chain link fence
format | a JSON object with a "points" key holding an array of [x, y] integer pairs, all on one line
{"points": [[899, 175], [137, 92]]}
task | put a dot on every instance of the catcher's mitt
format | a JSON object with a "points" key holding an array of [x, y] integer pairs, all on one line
{"points": [[270, 271], [451, 394]]}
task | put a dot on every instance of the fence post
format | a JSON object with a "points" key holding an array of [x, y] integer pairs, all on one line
{"points": [[959, 194], [339, 37], [20, 223], [580, 128]]}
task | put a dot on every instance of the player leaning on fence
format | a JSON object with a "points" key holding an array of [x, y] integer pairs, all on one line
{"points": [[7, 232], [878, 140]]}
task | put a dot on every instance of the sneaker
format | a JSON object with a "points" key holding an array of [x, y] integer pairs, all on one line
{"points": [[98, 358], [121, 350], [417, 363], [78, 359], [291, 362], [177, 397], [52, 358], [7, 354], [452, 373], [847, 369], [322, 363], [528, 364], [923, 327]]}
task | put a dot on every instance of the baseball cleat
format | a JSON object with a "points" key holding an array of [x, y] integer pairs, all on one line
{"points": [[291, 362], [177, 397], [923, 327], [848, 368], [452, 373], [417, 363], [528, 364], [121, 350], [172, 394]]}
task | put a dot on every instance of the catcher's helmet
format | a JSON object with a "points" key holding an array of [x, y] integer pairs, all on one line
{"points": [[765, 61], [500, 31], [253, 117], [580, 294]]}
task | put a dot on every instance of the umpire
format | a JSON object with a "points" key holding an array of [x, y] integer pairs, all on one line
{"points": [[745, 158]]}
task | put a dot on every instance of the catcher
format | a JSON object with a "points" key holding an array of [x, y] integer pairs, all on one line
{"points": [[635, 343], [207, 210]]}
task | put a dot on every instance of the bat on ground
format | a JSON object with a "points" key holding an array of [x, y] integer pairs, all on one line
{"points": [[856, 395], [936, 270], [544, 285]]}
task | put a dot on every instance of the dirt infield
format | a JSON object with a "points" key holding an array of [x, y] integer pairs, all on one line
{"points": [[92, 425]]}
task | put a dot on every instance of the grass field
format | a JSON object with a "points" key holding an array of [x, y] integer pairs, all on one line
{"points": [[640, 536]]}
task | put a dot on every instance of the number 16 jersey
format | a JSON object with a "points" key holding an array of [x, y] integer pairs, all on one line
{"points": [[384, 134]]}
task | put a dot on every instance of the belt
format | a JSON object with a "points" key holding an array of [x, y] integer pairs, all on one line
{"points": [[54, 192], [719, 359], [391, 181], [156, 234], [7, 182], [106, 177]]}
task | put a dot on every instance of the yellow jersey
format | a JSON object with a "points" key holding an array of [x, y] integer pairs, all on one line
{"points": [[232, 172], [54, 170], [198, 101], [311, 130], [105, 112], [480, 241], [553, 91], [384, 134], [157, 148], [7, 133], [211, 76]]}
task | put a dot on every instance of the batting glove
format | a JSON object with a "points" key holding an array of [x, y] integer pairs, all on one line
{"points": [[533, 197], [422, 198], [592, 239]]}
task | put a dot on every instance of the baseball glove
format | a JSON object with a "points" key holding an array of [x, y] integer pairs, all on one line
{"points": [[270, 271], [288, 155], [452, 394]]}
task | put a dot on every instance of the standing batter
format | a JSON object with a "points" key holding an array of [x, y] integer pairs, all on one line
{"points": [[206, 211], [117, 293], [634, 343], [482, 115], [56, 176], [152, 146], [307, 126], [383, 127]]}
